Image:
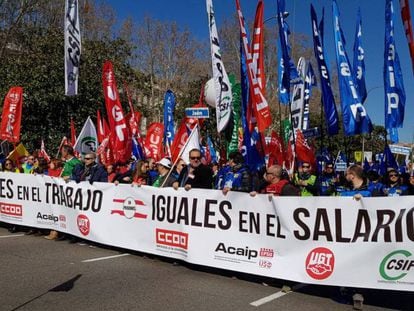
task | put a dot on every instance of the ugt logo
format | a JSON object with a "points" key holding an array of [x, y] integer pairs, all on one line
{"points": [[320, 263]]}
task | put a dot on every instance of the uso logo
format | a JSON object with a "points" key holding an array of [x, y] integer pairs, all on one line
{"points": [[83, 224], [320, 263]]}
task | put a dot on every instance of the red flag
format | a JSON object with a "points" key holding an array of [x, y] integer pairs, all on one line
{"points": [[406, 17], [43, 152], [153, 140], [258, 47], [304, 152], [72, 132], [259, 103], [121, 142], [275, 150], [12, 115], [131, 117], [102, 127], [179, 141]]}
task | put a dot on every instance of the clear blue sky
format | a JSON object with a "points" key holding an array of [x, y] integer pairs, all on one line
{"points": [[192, 13]]}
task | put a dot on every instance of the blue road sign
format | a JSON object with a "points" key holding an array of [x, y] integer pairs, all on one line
{"points": [[200, 113]]}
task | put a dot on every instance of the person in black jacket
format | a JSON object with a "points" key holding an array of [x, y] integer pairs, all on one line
{"points": [[410, 190], [196, 174], [89, 170]]}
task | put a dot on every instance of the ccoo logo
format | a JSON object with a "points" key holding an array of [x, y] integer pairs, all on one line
{"points": [[320, 263]]}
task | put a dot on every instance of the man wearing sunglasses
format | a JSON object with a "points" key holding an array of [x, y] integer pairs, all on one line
{"points": [[327, 181], [394, 186], [305, 180], [195, 175], [89, 170]]}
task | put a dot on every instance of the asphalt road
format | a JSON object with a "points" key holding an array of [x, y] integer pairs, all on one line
{"points": [[37, 274]]}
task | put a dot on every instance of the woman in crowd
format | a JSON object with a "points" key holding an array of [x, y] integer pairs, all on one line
{"points": [[140, 174], [55, 167], [10, 167]]}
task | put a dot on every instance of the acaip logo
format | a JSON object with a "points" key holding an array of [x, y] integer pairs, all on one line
{"points": [[396, 265]]}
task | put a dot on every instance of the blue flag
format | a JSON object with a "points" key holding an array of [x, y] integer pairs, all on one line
{"points": [[310, 81], [213, 152], [137, 151], [251, 156], [389, 159], [290, 73], [354, 115], [359, 62], [393, 80], [169, 107], [283, 93], [328, 101]]}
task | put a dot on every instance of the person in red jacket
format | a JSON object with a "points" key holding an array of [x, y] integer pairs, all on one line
{"points": [[277, 184]]}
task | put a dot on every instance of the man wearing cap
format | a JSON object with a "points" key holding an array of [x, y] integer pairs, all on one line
{"points": [[394, 186], [165, 178]]}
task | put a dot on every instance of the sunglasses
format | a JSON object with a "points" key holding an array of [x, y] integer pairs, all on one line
{"points": [[306, 166], [88, 158], [393, 175], [195, 158]]}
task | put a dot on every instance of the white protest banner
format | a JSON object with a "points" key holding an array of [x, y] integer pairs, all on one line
{"points": [[316, 240]]}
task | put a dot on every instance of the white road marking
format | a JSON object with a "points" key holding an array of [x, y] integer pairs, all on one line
{"points": [[10, 236], [274, 296], [104, 258]]}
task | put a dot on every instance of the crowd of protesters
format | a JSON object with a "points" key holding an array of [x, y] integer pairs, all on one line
{"points": [[234, 175]]}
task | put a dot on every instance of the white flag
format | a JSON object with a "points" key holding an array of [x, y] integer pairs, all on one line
{"points": [[298, 96], [72, 47], [193, 142], [87, 140], [222, 85]]}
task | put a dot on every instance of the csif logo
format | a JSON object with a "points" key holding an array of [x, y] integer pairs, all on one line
{"points": [[320, 263], [396, 265]]}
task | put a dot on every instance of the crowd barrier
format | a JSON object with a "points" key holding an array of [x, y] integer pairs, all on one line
{"points": [[314, 240]]}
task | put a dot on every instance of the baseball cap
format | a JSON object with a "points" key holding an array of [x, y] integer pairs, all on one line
{"points": [[165, 162]]}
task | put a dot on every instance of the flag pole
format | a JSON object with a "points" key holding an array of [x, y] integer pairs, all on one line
{"points": [[179, 155]]}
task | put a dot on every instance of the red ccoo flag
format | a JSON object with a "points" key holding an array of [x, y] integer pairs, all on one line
{"points": [[12, 115]]}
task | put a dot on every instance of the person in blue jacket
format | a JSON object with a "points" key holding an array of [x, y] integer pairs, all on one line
{"points": [[89, 170], [394, 186], [358, 183]]}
